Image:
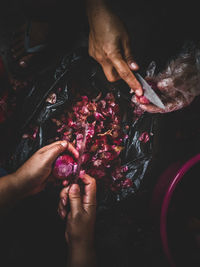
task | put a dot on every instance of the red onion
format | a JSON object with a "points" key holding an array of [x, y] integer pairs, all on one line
{"points": [[64, 167]]}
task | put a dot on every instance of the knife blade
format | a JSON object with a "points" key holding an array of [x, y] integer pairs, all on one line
{"points": [[82, 150], [149, 93]]}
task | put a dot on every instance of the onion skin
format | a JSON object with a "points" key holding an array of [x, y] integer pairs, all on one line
{"points": [[64, 167]]}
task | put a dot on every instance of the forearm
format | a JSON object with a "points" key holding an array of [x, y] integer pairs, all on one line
{"points": [[82, 257], [10, 191]]}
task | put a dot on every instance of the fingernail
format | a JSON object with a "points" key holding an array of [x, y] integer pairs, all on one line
{"points": [[64, 201], [82, 172], [134, 65], [65, 183], [64, 143], [75, 188], [138, 92], [22, 64]]}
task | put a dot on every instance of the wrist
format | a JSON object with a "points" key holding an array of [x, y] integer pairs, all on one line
{"points": [[82, 255], [81, 246], [82, 241]]}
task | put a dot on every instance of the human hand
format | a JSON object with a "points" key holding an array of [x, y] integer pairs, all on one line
{"points": [[82, 215], [178, 84], [109, 44], [172, 98], [79, 232], [31, 177]]}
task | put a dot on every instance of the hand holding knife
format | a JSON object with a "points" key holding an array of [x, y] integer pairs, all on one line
{"points": [[149, 93]]}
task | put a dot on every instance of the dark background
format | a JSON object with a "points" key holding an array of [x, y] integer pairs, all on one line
{"points": [[32, 234]]}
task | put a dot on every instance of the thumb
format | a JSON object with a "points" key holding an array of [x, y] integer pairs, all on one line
{"points": [[54, 150], [75, 199], [129, 57]]}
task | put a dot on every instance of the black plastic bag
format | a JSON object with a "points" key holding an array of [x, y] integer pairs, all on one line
{"points": [[78, 71]]}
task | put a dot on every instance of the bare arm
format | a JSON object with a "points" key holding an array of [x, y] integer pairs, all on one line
{"points": [[80, 222], [109, 44], [10, 191], [32, 176]]}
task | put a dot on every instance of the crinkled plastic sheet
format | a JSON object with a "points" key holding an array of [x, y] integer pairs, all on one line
{"points": [[179, 83], [77, 71]]}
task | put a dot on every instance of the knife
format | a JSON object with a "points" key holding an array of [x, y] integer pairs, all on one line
{"points": [[82, 150], [149, 93]]}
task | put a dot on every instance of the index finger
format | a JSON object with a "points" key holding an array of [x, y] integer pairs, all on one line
{"points": [[126, 74], [89, 197]]}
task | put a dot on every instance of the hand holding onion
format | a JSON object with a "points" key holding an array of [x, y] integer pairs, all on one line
{"points": [[32, 176], [80, 223]]}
